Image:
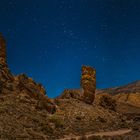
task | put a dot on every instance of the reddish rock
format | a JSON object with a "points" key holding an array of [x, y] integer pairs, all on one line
{"points": [[29, 84], [71, 93], [5, 74], [88, 87], [2, 49], [88, 83]]}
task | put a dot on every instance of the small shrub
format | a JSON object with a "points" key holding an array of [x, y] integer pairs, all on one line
{"points": [[102, 120], [78, 118], [59, 123], [107, 102], [47, 129]]}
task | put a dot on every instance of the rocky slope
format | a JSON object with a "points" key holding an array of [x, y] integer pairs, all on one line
{"points": [[129, 94], [129, 88]]}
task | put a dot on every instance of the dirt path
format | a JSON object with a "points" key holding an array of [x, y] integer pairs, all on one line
{"points": [[109, 133], [113, 133]]}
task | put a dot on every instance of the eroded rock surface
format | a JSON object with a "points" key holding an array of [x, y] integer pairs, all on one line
{"points": [[5, 74], [88, 83], [88, 86], [21, 84]]}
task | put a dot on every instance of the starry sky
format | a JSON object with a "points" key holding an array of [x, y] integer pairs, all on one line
{"points": [[50, 40]]}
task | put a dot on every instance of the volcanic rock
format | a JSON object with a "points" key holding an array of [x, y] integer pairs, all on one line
{"points": [[5, 74], [72, 93], [88, 83], [21, 84], [129, 93]]}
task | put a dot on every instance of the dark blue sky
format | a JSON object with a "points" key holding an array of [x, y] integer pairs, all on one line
{"points": [[50, 40]]}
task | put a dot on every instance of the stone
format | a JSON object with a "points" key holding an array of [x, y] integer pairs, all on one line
{"points": [[107, 102], [29, 84], [88, 83], [2, 49], [71, 93], [5, 74]]}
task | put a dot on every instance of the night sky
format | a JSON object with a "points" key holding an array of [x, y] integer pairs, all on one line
{"points": [[50, 40]]}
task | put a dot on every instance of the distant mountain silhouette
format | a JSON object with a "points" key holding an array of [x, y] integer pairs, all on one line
{"points": [[133, 87]]}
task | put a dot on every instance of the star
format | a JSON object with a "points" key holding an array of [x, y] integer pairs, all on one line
{"points": [[12, 4], [85, 48], [58, 47], [103, 59]]}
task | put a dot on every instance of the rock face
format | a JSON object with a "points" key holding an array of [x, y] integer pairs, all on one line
{"points": [[129, 93], [88, 86], [71, 93], [2, 49], [21, 85], [88, 83], [28, 83], [5, 74]]}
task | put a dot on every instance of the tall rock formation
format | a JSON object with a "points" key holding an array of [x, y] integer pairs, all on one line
{"points": [[5, 74], [22, 86], [88, 83], [2, 49]]}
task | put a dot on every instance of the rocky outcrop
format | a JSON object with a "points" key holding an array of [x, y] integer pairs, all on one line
{"points": [[5, 74], [108, 102], [88, 86], [129, 93], [2, 49], [88, 83], [71, 93], [27, 83], [21, 84]]}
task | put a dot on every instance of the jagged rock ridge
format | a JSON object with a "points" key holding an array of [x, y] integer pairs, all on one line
{"points": [[21, 84]]}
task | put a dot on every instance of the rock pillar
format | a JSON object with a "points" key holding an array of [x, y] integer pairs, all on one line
{"points": [[4, 71], [2, 51], [88, 83]]}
